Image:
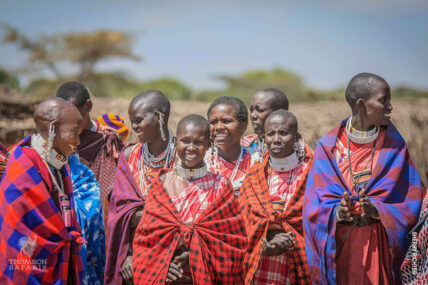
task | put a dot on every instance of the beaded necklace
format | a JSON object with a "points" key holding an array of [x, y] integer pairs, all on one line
{"points": [[360, 137], [191, 173], [161, 161]]}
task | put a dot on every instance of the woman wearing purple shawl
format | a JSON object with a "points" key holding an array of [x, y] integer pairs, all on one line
{"points": [[363, 194], [138, 164]]}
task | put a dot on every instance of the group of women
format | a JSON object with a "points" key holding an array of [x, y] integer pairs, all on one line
{"points": [[209, 205], [339, 215]]}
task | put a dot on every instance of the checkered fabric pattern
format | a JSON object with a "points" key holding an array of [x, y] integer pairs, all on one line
{"points": [[395, 188], [225, 168], [278, 182], [256, 206], [106, 161], [418, 252], [272, 270], [35, 244], [193, 201], [216, 240], [125, 200]]}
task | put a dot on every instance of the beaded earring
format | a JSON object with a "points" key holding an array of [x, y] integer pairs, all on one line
{"points": [[262, 148], [49, 143], [214, 158], [161, 122], [299, 148]]}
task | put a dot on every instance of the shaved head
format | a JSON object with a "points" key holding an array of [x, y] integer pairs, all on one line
{"points": [[194, 120], [286, 116], [277, 98], [155, 98], [361, 86], [74, 90], [51, 110]]}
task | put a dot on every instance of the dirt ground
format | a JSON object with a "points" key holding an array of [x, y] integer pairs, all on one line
{"points": [[315, 119]]}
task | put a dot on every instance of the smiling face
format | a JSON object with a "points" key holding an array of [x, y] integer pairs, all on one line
{"points": [[225, 129], [68, 130], [144, 122], [192, 143], [280, 136], [378, 107], [260, 109]]}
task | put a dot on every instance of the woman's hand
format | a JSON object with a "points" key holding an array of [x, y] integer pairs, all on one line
{"points": [[182, 259], [367, 206], [279, 244], [127, 270], [344, 208], [174, 272]]}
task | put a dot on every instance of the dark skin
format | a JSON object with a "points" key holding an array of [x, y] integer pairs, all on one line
{"points": [[84, 111], [226, 131], [366, 114], [145, 122], [375, 110], [261, 107], [281, 133], [192, 144], [67, 122], [368, 210], [86, 122], [280, 243]]}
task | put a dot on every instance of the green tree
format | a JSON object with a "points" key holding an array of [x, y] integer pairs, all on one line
{"points": [[81, 50], [245, 85], [173, 88], [8, 79]]}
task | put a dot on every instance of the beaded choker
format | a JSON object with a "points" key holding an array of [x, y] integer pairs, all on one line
{"points": [[284, 164], [191, 173], [54, 158], [361, 137], [162, 159]]}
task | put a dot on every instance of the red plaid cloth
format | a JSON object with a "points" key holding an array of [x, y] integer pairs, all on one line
{"points": [[225, 168], [198, 195], [216, 240], [35, 245], [275, 269], [256, 206], [272, 270], [278, 182]]}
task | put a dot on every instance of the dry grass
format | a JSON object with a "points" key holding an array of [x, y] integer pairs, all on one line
{"points": [[315, 120]]}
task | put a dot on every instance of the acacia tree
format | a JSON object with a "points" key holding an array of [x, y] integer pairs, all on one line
{"points": [[82, 50]]}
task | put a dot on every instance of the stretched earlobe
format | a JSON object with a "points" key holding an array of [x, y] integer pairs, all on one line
{"points": [[88, 105]]}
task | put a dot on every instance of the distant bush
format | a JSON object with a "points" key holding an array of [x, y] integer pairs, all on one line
{"points": [[247, 84], [409, 92], [174, 89], [8, 79]]}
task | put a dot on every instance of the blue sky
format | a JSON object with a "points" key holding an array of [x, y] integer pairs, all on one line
{"points": [[326, 42]]}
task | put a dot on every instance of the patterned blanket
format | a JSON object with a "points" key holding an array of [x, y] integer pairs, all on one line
{"points": [[216, 240], [90, 217], [125, 200], [36, 246], [394, 188], [258, 212]]}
